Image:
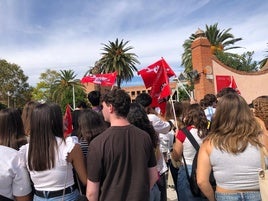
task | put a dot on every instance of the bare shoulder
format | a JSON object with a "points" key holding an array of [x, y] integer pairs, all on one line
{"points": [[206, 146]]}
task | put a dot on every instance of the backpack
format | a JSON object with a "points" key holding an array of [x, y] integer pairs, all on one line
{"points": [[192, 178]]}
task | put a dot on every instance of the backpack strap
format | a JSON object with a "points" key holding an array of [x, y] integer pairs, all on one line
{"points": [[191, 138], [195, 145], [186, 169]]}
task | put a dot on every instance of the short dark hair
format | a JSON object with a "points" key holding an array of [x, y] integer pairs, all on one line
{"points": [[226, 90], [144, 99], [94, 98], [210, 100], [119, 99], [82, 104]]}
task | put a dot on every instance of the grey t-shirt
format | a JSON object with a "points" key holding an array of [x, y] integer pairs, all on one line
{"points": [[236, 172]]}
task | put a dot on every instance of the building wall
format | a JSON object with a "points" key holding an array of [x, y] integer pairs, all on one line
{"points": [[201, 57], [251, 85]]}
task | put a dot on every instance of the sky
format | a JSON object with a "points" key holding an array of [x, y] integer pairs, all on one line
{"points": [[70, 34]]}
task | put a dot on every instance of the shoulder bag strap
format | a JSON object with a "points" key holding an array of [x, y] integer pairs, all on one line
{"points": [[66, 176], [195, 145], [191, 138], [186, 169]]}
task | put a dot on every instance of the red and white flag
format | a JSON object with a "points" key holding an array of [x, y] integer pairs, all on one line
{"points": [[224, 81], [149, 73], [160, 90], [67, 121], [157, 76], [107, 79]]}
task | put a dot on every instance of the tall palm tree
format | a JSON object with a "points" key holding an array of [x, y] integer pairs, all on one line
{"points": [[93, 69], [65, 87], [116, 58], [219, 40], [187, 54]]}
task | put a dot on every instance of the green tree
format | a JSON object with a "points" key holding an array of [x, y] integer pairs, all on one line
{"points": [[264, 61], [65, 86], [219, 40], [45, 88], [117, 58], [15, 90], [242, 62]]}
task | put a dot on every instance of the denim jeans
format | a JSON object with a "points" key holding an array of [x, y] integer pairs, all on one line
{"points": [[245, 196], [184, 191], [155, 194], [67, 197]]}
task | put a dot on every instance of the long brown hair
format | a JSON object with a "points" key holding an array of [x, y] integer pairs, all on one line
{"points": [[234, 125], [138, 117], [195, 115], [46, 125], [26, 115], [11, 129], [90, 124]]}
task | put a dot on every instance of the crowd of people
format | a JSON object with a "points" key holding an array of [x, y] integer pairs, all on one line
{"points": [[124, 150]]}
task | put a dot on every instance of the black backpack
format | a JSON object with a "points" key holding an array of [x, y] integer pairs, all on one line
{"points": [[192, 178]]}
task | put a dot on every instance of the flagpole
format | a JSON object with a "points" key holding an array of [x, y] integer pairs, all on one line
{"points": [[174, 114], [178, 80], [73, 98]]}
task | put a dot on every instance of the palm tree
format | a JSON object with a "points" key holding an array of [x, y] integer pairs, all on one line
{"points": [[66, 87], [93, 70], [219, 40], [116, 58], [187, 54]]}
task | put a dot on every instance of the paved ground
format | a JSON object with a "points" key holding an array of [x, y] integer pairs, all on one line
{"points": [[171, 194]]}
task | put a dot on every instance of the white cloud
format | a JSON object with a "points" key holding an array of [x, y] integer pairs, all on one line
{"points": [[74, 40]]}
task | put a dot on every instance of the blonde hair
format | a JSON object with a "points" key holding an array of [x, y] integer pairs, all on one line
{"points": [[234, 125]]}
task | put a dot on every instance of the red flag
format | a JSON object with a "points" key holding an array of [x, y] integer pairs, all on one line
{"points": [[102, 79], [67, 121], [160, 90], [149, 73], [234, 86], [224, 81]]}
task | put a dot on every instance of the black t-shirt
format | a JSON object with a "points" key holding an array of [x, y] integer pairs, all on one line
{"points": [[119, 159]]}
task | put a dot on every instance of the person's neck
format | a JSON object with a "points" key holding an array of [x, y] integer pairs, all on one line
{"points": [[119, 122]]}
